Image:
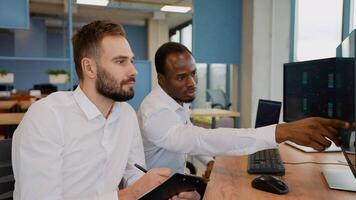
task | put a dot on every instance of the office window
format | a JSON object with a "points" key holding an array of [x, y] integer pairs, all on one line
{"points": [[186, 39], [175, 37], [353, 16], [218, 76], [317, 28], [200, 99]]}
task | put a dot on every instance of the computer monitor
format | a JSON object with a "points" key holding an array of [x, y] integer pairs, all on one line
{"points": [[326, 88], [267, 112]]}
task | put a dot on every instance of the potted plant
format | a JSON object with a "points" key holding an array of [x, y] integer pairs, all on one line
{"points": [[6, 77], [58, 76]]}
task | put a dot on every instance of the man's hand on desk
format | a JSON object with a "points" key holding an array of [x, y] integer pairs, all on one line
{"points": [[311, 132]]}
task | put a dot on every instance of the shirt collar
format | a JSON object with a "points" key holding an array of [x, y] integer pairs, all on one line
{"points": [[88, 107], [170, 102]]}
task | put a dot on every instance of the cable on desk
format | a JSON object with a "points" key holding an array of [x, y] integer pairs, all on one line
{"points": [[317, 163]]}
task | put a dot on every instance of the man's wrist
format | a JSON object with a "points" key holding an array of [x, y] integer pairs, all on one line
{"points": [[128, 193], [282, 133]]}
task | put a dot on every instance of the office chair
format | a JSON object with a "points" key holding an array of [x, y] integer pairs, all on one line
{"points": [[7, 180], [218, 99], [46, 88], [6, 87]]}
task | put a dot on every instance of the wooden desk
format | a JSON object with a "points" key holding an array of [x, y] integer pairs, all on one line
{"points": [[213, 112], [24, 105], [230, 180], [7, 105], [11, 118]]}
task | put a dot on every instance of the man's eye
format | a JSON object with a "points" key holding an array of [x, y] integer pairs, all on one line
{"points": [[120, 61]]}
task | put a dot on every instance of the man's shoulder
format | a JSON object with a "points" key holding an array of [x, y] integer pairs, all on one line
{"points": [[52, 101], [151, 106], [152, 102]]}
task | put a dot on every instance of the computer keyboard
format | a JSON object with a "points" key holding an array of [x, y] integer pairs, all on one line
{"points": [[266, 162]]}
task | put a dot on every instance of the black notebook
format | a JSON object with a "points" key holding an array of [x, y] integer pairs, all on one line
{"points": [[176, 184]]}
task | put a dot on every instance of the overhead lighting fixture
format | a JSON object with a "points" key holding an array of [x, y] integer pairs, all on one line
{"points": [[179, 9], [94, 2]]}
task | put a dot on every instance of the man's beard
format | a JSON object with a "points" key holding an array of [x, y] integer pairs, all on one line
{"points": [[107, 86]]}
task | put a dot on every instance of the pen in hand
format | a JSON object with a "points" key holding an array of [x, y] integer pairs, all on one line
{"points": [[140, 168]]}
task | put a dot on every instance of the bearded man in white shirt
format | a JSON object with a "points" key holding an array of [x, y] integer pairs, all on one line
{"points": [[168, 134], [79, 145]]}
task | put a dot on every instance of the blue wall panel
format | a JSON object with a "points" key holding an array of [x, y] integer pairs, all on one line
{"points": [[14, 14], [143, 83], [217, 31], [6, 44], [32, 42], [137, 37], [55, 44]]}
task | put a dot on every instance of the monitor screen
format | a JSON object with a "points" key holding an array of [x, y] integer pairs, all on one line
{"points": [[323, 88], [267, 112], [319, 88]]}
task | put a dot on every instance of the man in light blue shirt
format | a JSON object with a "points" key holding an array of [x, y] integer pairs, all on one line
{"points": [[168, 133]]}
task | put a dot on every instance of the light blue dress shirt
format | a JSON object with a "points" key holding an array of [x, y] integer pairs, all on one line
{"points": [[168, 135]]}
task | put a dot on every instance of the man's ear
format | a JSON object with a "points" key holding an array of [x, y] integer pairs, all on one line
{"points": [[161, 79], [89, 68]]}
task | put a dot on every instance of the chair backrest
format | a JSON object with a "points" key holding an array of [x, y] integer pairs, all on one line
{"points": [[46, 88], [218, 99], [267, 112], [6, 87], [6, 174]]}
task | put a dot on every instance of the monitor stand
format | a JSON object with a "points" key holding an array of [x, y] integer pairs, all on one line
{"points": [[340, 179]]}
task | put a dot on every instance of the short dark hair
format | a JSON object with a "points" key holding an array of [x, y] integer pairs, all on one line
{"points": [[86, 42], [164, 51]]}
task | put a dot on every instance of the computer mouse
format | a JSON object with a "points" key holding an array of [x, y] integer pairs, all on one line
{"points": [[270, 183]]}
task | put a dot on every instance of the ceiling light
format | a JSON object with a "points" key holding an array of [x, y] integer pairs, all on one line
{"points": [[180, 9], [93, 2]]}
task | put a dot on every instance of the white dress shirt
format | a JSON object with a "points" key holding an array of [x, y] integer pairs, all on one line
{"points": [[167, 134], [64, 148]]}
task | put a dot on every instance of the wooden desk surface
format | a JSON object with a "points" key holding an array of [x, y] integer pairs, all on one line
{"points": [[230, 180], [11, 118], [8, 104], [213, 112]]}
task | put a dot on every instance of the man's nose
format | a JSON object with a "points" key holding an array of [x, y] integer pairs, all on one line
{"points": [[133, 70], [191, 81]]}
